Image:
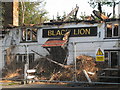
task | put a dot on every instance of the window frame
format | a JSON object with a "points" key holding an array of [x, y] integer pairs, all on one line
{"points": [[24, 57], [109, 57], [24, 39], [113, 34], [117, 30], [117, 57]]}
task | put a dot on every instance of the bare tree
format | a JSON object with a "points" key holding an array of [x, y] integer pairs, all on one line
{"points": [[109, 3]]}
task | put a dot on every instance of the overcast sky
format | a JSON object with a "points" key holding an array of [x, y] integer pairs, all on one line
{"points": [[61, 6]]}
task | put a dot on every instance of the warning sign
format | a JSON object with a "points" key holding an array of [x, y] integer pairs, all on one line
{"points": [[99, 55], [99, 52], [99, 58]]}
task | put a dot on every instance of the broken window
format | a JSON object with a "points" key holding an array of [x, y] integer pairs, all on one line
{"points": [[29, 34], [112, 30]]}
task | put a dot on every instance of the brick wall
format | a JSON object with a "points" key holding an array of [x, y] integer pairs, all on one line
{"points": [[11, 15]]}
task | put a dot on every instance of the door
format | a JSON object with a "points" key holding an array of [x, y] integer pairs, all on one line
{"points": [[114, 58]]}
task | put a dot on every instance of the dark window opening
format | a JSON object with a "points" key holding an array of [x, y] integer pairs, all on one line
{"points": [[112, 30], [106, 56], [31, 60], [109, 30], [115, 30], [22, 58], [112, 58]]}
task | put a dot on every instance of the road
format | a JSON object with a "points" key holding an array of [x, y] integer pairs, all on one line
{"points": [[57, 86]]}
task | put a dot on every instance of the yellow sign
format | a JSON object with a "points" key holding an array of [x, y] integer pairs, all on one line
{"points": [[99, 52], [99, 58], [99, 55]]}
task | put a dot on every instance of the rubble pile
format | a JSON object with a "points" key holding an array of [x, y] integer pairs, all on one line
{"points": [[47, 70], [13, 69], [88, 64], [63, 75], [11, 75], [83, 62]]}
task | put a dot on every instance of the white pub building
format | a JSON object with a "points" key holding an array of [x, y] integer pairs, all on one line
{"points": [[64, 41]]}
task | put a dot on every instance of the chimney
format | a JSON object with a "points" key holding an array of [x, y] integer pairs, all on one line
{"points": [[11, 15], [15, 13]]}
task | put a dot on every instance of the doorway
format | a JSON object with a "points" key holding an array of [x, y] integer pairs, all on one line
{"points": [[112, 57]]}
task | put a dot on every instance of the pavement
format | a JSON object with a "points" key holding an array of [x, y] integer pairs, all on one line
{"points": [[63, 86]]}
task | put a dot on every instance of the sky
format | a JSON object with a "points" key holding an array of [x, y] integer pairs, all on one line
{"points": [[61, 6]]}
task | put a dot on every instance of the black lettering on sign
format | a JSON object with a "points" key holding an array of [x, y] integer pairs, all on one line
{"points": [[74, 32]]}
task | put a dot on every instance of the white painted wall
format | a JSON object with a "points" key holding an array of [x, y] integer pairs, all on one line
{"points": [[85, 45]]}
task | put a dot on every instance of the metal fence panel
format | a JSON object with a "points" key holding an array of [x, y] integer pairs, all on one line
{"points": [[79, 64]]}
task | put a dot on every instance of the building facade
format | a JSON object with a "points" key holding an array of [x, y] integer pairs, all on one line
{"points": [[99, 40]]}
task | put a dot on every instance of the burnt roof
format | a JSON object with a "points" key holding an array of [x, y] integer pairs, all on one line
{"points": [[68, 22], [60, 23], [80, 21]]}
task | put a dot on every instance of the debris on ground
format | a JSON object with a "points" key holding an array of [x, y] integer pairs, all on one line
{"points": [[47, 70], [9, 74], [83, 62], [5, 81], [13, 74]]}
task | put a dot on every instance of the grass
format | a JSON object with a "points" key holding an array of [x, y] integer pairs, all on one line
{"points": [[9, 84]]}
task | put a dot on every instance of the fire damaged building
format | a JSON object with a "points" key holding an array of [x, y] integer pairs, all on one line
{"points": [[64, 40], [60, 42], [92, 39]]}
